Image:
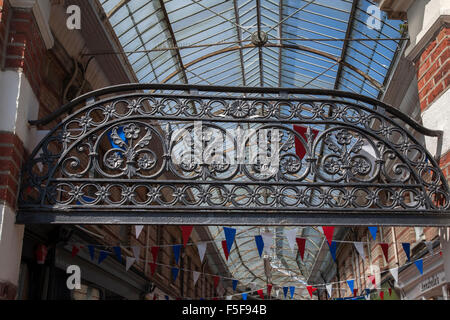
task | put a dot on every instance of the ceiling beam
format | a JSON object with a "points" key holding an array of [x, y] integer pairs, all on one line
{"points": [[239, 36], [174, 42], [258, 19], [348, 33]]}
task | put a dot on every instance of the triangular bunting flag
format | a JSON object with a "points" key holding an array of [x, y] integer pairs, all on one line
{"points": [[175, 273], [225, 249], [91, 251], [429, 245], [75, 251], [196, 275], [216, 281], [301, 246], [154, 251], [259, 244], [407, 249], [382, 295], [329, 289], [333, 248], [137, 252], [268, 240], [373, 232], [372, 280], [290, 235], [419, 265], [385, 248], [390, 292], [152, 267], [186, 232], [269, 290], [285, 291], [244, 296], [230, 234], [118, 252], [138, 230], [311, 290], [328, 232], [176, 252], [235, 283], [351, 285], [201, 247], [129, 262], [292, 292], [102, 256], [355, 292], [360, 248], [394, 273], [260, 293]]}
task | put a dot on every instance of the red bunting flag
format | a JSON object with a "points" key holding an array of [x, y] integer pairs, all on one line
{"points": [[328, 232], [186, 231], [155, 251], [390, 292], [311, 290], [372, 279], [382, 295], [152, 267], [216, 281], [385, 248], [269, 290], [155, 297], [261, 294], [355, 292], [301, 246], [75, 251], [225, 249]]}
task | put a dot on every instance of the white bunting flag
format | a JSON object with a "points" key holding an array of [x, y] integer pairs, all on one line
{"points": [[329, 289], [291, 235], [277, 292], [394, 273], [138, 230], [196, 276], [268, 240], [136, 252], [360, 248], [201, 247], [130, 262], [229, 297], [429, 245]]}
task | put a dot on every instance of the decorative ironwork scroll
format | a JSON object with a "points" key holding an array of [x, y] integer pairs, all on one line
{"points": [[235, 158]]}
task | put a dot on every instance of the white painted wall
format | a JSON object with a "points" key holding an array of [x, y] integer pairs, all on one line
{"points": [[437, 117], [11, 237]]}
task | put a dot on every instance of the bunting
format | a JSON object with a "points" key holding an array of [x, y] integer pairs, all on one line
{"points": [[129, 262], [351, 285], [268, 240], [225, 249], [329, 289], [291, 237], [385, 248], [407, 249], [152, 267], [285, 291], [230, 234], [373, 232], [216, 281], [75, 251], [118, 252], [394, 273], [244, 296], [102, 256], [328, 232], [176, 252], [186, 233], [360, 248], [292, 291], [235, 283], [269, 290], [333, 248], [91, 251], [175, 273], [138, 230], [311, 290], [419, 265], [196, 275], [301, 246], [259, 244], [260, 293], [154, 251], [137, 252], [372, 279], [201, 247]]}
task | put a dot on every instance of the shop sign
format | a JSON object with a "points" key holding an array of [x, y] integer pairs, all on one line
{"points": [[432, 282]]}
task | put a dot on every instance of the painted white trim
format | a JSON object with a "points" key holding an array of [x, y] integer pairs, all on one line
{"points": [[41, 10]]}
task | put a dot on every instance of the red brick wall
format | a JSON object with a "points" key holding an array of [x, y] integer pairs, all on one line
{"points": [[433, 69], [11, 157]]}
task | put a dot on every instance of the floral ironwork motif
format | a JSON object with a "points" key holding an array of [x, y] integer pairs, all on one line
{"points": [[119, 152]]}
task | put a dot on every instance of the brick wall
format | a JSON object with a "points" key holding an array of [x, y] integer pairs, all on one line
{"points": [[11, 158], [433, 69]]}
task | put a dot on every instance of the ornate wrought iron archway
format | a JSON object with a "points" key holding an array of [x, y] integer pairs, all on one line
{"points": [[122, 158]]}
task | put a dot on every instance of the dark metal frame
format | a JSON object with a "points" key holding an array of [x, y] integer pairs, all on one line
{"points": [[138, 181]]}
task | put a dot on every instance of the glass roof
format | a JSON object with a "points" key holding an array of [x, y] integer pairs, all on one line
{"points": [[311, 44]]}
